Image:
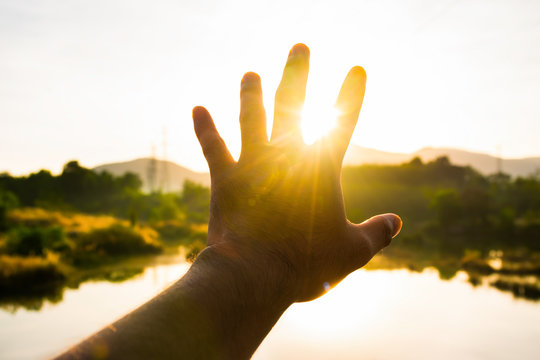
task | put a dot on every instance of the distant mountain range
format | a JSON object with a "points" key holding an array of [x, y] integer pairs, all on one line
{"points": [[486, 164], [170, 176]]}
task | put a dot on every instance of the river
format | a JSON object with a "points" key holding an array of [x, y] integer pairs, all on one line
{"points": [[378, 314]]}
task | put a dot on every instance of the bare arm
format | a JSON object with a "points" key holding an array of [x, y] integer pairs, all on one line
{"points": [[278, 233]]}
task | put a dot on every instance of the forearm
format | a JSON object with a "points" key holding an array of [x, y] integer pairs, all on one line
{"points": [[221, 309]]}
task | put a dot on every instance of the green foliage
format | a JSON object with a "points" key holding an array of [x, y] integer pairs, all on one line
{"points": [[173, 230], [20, 274], [166, 208], [195, 201], [447, 206], [194, 249], [76, 188], [8, 201], [117, 240], [450, 206], [27, 241]]}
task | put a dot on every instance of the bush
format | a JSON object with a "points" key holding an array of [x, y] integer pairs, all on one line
{"points": [[173, 230], [24, 274], [34, 241], [8, 201], [193, 250], [116, 240]]}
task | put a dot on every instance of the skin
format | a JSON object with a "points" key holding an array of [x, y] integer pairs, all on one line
{"points": [[278, 232]]}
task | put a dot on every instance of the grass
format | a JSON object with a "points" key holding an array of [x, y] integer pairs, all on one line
{"points": [[43, 251], [115, 241], [72, 223]]}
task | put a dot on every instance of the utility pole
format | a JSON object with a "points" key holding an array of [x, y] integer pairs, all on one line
{"points": [[164, 165], [151, 171]]}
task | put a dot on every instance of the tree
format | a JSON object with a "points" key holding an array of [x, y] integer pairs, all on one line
{"points": [[195, 199], [448, 207]]}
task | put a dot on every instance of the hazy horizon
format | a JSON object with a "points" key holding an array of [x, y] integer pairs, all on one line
{"points": [[180, 163], [99, 82]]}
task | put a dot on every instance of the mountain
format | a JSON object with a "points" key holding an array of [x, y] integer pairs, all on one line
{"points": [[176, 174], [484, 163], [356, 155]]}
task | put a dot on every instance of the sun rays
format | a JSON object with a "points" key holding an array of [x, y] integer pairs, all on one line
{"points": [[317, 121]]}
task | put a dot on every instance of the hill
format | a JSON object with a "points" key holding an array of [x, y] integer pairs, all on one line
{"points": [[486, 164], [176, 174], [356, 155]]}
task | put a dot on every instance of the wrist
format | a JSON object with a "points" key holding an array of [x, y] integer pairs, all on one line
{"points": [[240, 296], [262, 279]]}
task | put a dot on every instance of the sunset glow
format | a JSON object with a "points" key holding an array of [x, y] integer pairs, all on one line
{"points": [[317, 121], [430, 73]]}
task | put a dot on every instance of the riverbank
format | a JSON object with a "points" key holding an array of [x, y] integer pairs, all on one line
{"points": [[517, 272], [42, 252]]}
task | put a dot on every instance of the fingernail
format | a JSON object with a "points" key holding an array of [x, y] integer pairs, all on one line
{"points": [[250, 77], [198, 111], [299, 49], [394, 223]]}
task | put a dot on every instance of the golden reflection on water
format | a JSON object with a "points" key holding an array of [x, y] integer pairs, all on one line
{"points": [[372, 314], [401, 315]]}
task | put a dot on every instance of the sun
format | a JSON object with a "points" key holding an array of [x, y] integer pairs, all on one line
{"points": [[317, 121]]}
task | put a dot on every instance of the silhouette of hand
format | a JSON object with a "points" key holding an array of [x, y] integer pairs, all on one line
{"points": [[279, 209], [277, 232]]}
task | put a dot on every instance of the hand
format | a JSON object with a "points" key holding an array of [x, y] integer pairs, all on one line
{"points": [[277, 233], [279, 209]]}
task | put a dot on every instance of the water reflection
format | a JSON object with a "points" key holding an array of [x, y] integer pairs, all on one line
{"points": [[518, 275], [34, 297], [383, 314], [28, 334], [402, 315]]}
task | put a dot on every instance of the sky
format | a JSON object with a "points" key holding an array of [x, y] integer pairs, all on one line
{"points": [[109, 80]]}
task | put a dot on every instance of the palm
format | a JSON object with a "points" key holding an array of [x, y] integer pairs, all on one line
{"points": [[283, 199]]}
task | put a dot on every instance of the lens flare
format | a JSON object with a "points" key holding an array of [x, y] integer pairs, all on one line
{"points": [[317, 121]]}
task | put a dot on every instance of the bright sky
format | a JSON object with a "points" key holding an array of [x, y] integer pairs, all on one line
{"points": [[100, 80]]}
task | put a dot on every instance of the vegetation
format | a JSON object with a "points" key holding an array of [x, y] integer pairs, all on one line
{"points": [[454, 219], [57, 231], [113, 241], [67, 228], [27, 273], [448, 207]]}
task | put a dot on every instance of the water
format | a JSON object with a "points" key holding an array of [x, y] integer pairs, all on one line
{"points": [[372, 314]]}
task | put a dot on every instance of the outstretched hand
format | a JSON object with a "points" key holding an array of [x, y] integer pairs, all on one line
{"points": [[279, 208], [277, 233]]}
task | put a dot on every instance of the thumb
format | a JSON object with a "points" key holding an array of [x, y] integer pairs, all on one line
{"points": [[379, 230]]}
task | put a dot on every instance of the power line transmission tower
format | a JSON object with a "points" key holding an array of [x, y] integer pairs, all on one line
{"points": [[151, 171], [165, 165]]}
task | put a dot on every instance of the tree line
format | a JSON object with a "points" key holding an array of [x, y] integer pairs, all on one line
{"points": [[437, 200], [83, 190]]}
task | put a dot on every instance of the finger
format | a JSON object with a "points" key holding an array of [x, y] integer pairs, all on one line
{"points": [[376, 233], [290, 97], [215, 151], [252, 115], [348, 105]]}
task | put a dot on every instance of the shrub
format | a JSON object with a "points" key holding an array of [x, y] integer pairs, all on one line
{"points": [[25, 274], [34, 241], [193, 250], [173, 230], [116, 240]]}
